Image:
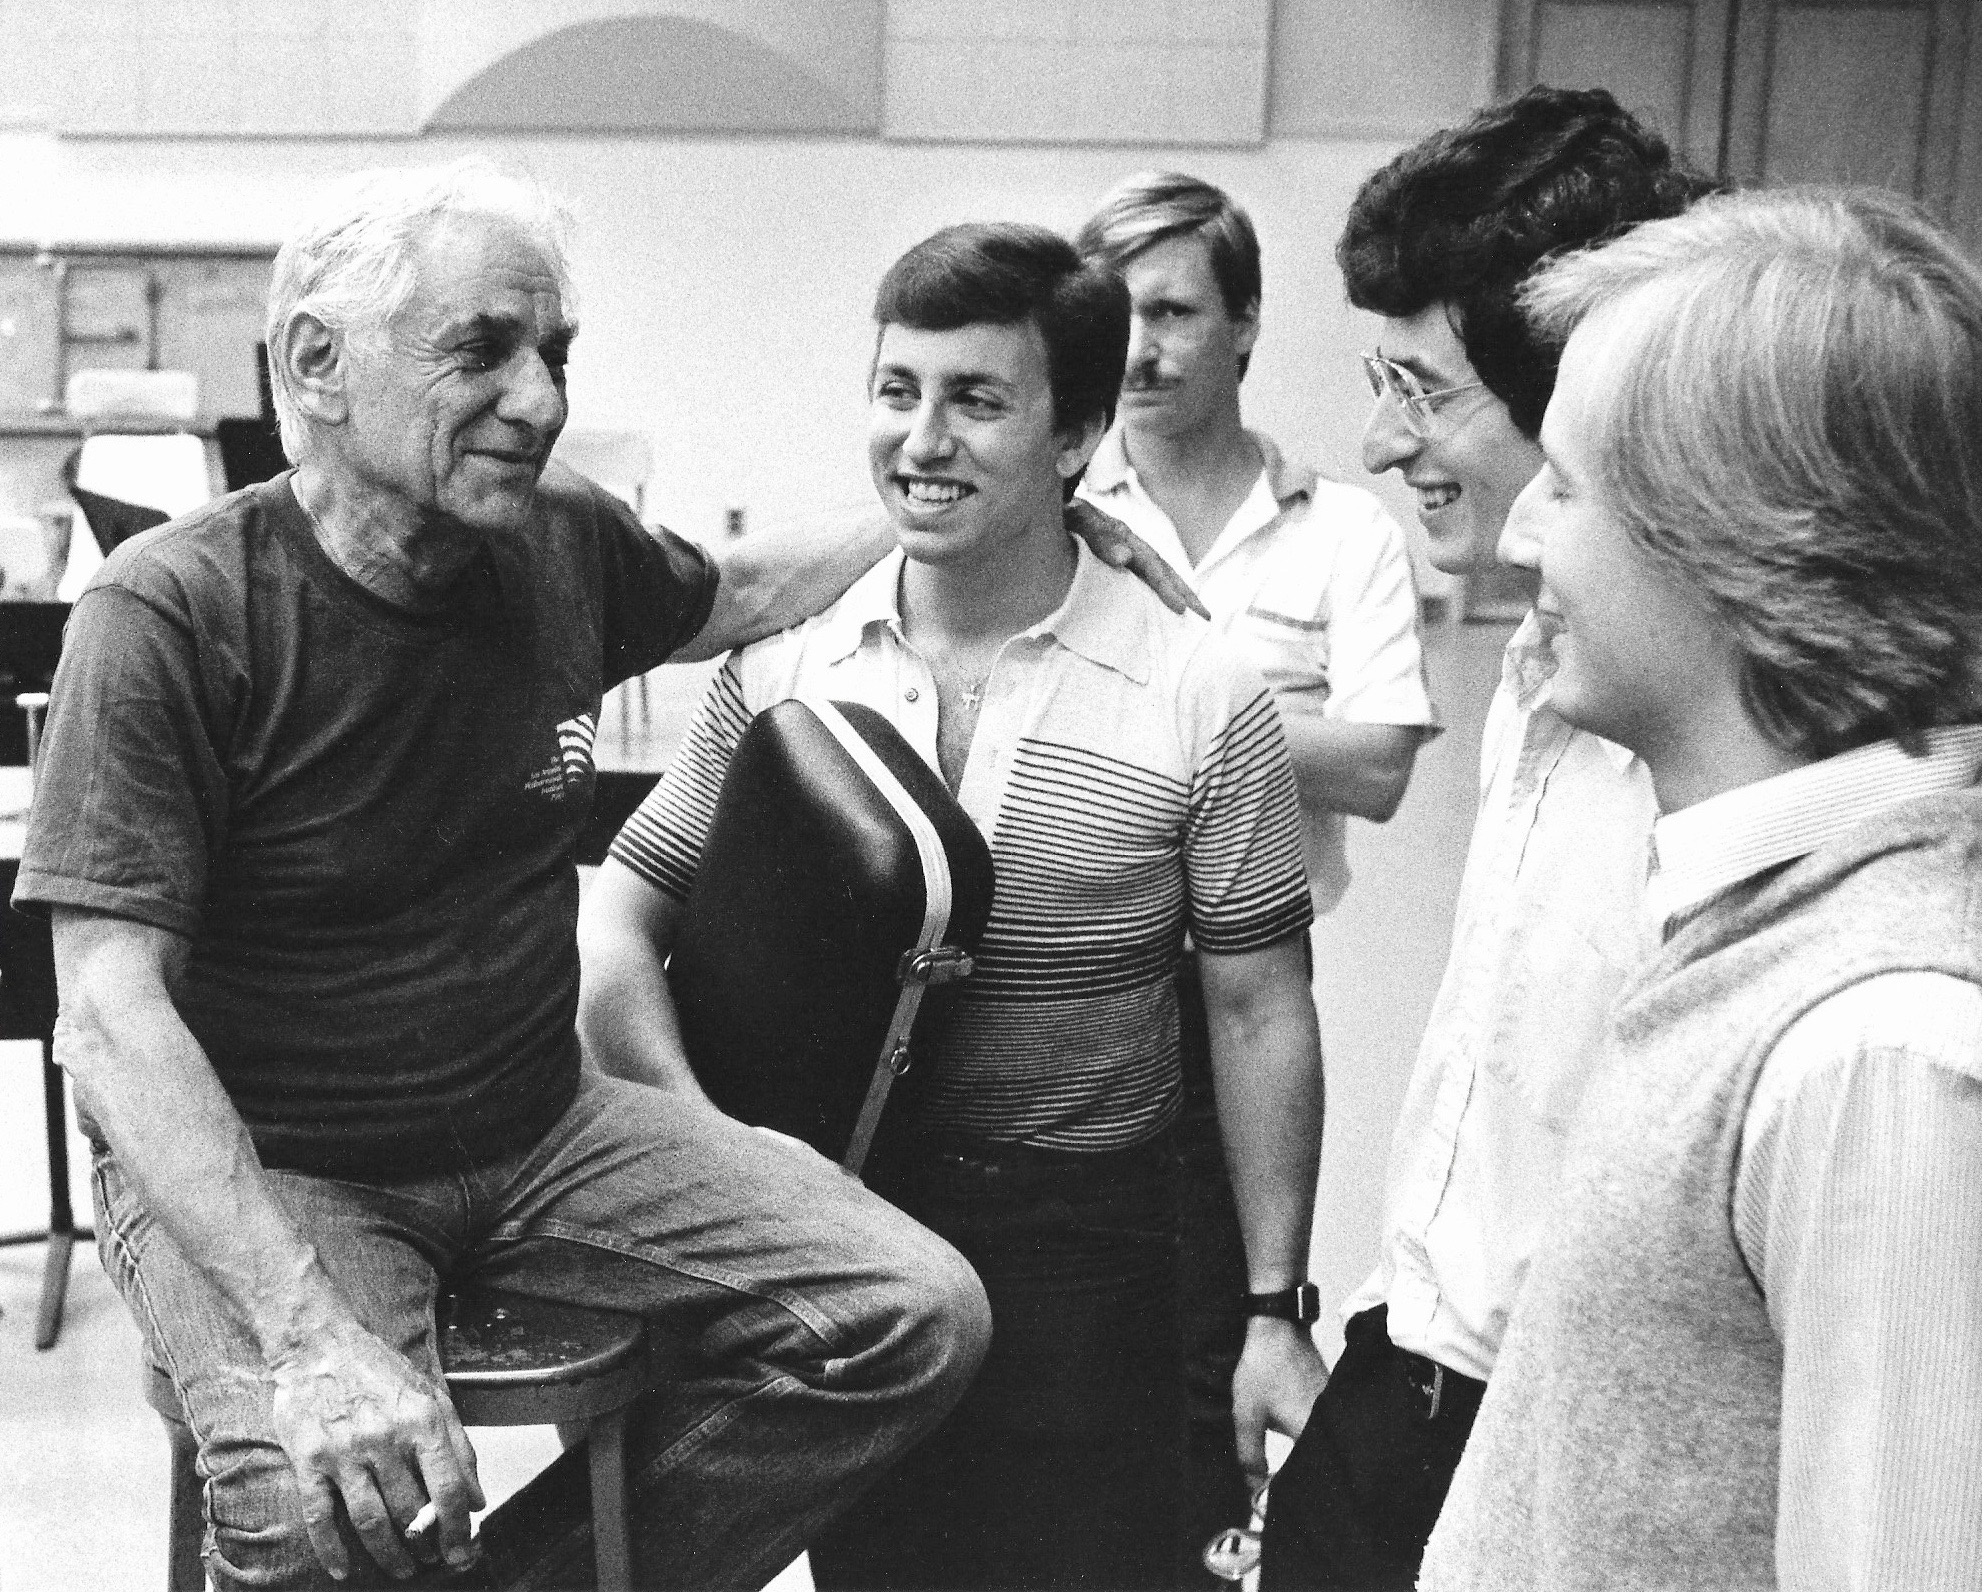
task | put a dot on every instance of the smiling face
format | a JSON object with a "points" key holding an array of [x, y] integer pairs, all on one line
{"points": [[962, 442], [1471, 468], [1639, 657], [454, 414], [1184, 347]]}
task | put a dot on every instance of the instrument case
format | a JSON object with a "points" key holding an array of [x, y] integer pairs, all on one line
{"points": [[839, 880]]}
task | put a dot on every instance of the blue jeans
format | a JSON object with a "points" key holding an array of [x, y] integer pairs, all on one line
{"points": [[1063, 1467], [828, 1332]]}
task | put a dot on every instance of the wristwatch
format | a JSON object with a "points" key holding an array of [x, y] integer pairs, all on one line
{"points": [[1301, 1303]]}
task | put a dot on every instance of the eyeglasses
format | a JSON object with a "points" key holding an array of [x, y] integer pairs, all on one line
{"points": [[1418, 406]]}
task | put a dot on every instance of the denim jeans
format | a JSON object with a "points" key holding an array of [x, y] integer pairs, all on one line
{"points": [[1063, 1465], [827, 1331]]}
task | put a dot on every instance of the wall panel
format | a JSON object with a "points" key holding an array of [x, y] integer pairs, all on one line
{"points": [[1379, 68], [1077, 71], [1847, 95]]}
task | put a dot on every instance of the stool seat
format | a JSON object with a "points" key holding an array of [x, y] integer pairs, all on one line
{"points": [[514, 1360], [510, 1360]]}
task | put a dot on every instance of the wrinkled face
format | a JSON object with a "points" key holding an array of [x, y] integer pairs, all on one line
{"points": [[1474, 463], [456, 413], [961, 439], [1637, 651], [1184, 348]]}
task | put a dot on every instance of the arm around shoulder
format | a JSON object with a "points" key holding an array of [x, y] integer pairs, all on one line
{"points": [[778, 577]]}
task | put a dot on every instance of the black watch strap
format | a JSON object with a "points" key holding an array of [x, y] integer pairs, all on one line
{"points": [[1301, 1303]]}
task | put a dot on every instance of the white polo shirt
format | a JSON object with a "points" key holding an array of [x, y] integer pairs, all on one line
{"points": [[1132, 779], [1311, 581]]}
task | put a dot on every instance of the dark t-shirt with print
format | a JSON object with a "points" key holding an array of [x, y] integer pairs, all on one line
{"points": [[363, 820]]}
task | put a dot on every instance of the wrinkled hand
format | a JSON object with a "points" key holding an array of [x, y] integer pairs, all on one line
{"points": [[1280, 1375], [1109, 540], [358, 1422]]}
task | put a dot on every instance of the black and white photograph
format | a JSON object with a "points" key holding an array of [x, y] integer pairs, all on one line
{"points": [[991, 795]]}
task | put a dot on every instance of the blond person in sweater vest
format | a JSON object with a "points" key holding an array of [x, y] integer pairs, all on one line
{"points": [[1749, 1354]]}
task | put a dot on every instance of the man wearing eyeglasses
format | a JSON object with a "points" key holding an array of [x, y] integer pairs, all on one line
{"points": [[1310, 578], [1551, 912]]}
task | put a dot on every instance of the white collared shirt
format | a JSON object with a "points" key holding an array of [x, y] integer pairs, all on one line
{"points": [[1858, 1201], [1550, 923], [1132, 779], [1311, 581]]}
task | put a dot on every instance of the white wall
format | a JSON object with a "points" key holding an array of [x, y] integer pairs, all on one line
{"points": [[725, 283]]}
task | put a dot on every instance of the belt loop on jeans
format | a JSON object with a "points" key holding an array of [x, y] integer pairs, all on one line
{"points": [[1437, 1389]]}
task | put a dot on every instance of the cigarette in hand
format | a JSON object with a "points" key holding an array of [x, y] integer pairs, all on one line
{"points": [[423, 1522]]}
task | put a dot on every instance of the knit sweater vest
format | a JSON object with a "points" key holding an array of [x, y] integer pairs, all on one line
{"points": [[1629, 1435]]}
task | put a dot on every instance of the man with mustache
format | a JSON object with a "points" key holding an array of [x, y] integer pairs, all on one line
{"points": [[1310, 579]]}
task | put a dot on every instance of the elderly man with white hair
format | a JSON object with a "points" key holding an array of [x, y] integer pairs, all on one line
{"points": [[315, 767]]}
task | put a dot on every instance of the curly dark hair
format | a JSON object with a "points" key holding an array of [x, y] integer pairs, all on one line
{"points": [[1463, 217]]}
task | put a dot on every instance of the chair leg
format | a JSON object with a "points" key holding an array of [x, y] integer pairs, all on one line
{"points": [[54, 1289], [186, 1520], [611, 1547], [62, 1230]]}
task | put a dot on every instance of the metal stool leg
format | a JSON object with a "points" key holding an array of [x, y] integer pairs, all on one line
{"points": [[611, 1550], [62, 1230], [183, 1570]]}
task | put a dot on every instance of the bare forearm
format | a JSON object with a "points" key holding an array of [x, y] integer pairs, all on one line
{"points": [[777, 577], [627, 1021], [1344, 767], [149, 1089], [1266, 1064], [626, 1016]]}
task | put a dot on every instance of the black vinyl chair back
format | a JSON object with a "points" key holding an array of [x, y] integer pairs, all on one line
{"points": [[30, 645], [27, 967], [113, 521]]}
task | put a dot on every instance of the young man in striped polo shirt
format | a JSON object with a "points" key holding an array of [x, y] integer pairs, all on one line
{"points": [[1131, 776]]}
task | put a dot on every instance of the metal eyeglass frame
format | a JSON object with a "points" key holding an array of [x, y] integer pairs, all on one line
{"points": [[1418, 406]]}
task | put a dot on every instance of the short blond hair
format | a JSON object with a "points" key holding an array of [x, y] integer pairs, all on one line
{"points": [[350, 261], [1797, 433]]}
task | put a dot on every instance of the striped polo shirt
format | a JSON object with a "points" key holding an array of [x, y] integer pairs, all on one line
{"points": [[1129, 772]]}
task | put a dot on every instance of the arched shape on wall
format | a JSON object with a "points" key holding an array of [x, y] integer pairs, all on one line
{"points": [[644, 74]]}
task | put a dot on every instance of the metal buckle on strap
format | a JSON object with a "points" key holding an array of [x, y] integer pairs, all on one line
{"points": [[939, 964], [917, 970]]}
